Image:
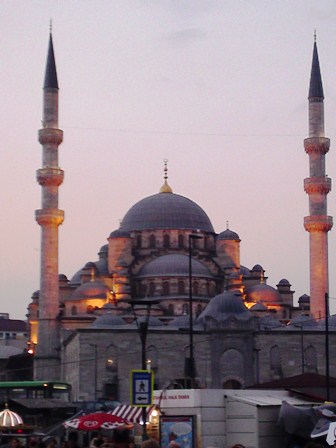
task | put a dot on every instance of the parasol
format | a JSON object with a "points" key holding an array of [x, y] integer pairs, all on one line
{"points": [[98, 420], [9, 419]]}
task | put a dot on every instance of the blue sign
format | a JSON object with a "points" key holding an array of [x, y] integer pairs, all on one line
{"points": [[141, 387]]}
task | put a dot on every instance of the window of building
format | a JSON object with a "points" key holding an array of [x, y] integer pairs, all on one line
{"points": [[73, 310], [165, 288], [181, 287], [275, 360], [181, 241], [185, 308], [139, 241], [166, 241], [310, 359], [171, 309], [152, 241], [151, 289], [195, 288]]}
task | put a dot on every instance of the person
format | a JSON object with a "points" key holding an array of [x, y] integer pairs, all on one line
{"points": [[238, 445], [121, 438], [150, 443], [15, 443], [174, 444], [97, 441]]}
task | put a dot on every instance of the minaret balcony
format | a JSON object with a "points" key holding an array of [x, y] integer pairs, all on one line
{"points": [[318, 223], [313, 185], [318, 145], [50, 136], [49, 216], [48, 176]]}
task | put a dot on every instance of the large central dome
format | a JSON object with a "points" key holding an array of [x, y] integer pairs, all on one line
{"points": [[166, 210]]}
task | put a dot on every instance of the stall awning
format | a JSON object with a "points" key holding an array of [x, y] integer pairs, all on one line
{"points": [[132, 413]]}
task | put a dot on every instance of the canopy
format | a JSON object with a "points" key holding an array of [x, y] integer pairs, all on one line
{"points": [[98, 420], [132, 413], [9, 419]]}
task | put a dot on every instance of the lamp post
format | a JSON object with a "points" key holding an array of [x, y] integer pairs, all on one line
{"points": [[191, 370], [96, 369], [143, 331]]}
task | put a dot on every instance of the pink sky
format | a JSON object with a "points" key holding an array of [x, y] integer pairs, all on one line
{"points": [[219, 88]]}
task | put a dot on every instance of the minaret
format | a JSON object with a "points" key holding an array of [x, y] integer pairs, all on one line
{"points": [[49, 217], [317, 186]]}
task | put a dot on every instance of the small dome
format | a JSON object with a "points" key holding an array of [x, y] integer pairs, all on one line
{"points": [[304, 299], [257, 268], [182, 321], [62, 278], [225, 305], [228, 235], [303, 321], [263, 293], [107, 320], [103, 250], [258, 307], [90, 290], [245, 271], [173, 265], [166, 211], [331, 322], [119, 233], [152, 321], [283, 282], [268, 323]]}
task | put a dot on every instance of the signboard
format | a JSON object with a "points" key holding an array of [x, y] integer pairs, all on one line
{"points": [[179, 429], [142, 383]]}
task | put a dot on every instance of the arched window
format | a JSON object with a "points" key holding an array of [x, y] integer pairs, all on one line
{"points": [[165, 289], [89, 309], [166, 241], [170, 309], [152, 241], [73, 310], [138, 241], [208, 289], [112, 359], [310, 359], [151, 291], [181, 287], [142, 290], [185, 308], [198, 310], [275, 360], [195, 288], [181, 241]]}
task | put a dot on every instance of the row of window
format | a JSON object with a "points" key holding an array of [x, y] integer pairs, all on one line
{"points": [[149, 290], [182, 241]]}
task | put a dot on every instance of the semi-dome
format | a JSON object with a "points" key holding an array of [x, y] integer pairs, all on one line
{"points": [[269, 322], [302, 321], [90, 290], [224, 305], [228, 235], [263, 293], [172, 265], [166, 210]]}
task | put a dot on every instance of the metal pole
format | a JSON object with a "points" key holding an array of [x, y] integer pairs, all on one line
{"points": [[191, 329], [327, 345], [143, 335]]}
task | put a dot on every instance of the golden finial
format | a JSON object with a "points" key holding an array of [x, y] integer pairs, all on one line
{"points": [[165, 187], [315, 35], [227, 225], [50, 26]]}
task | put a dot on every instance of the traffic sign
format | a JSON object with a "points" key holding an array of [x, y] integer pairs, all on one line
{"points": [[142, 383]]}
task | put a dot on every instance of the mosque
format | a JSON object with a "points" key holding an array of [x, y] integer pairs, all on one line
{"points": [[207, 317]]}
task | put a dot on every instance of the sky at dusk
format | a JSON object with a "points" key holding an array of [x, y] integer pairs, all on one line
{"points": [[219, 88]]}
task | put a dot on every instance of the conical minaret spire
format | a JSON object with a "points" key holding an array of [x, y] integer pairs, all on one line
{"points": [[317, 186], [49, 217]]}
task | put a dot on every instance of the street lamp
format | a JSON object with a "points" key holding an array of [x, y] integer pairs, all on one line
{"points": [[190, 363], [96, 369], [142, 326]]}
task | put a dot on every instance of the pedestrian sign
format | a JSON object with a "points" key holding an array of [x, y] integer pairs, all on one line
{"points": [[141, 387]]}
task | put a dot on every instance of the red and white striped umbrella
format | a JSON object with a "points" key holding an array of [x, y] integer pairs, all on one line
{"points": [[98, 420], [9, 419]]}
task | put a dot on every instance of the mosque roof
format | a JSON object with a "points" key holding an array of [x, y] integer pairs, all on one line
{"points": [[50, 79], [263, 293], [173, 265], [90, 290], [302, 321], [228, 235], [224, 305], [166, 210], [269, 322], [107, 320], [315, 86]]}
